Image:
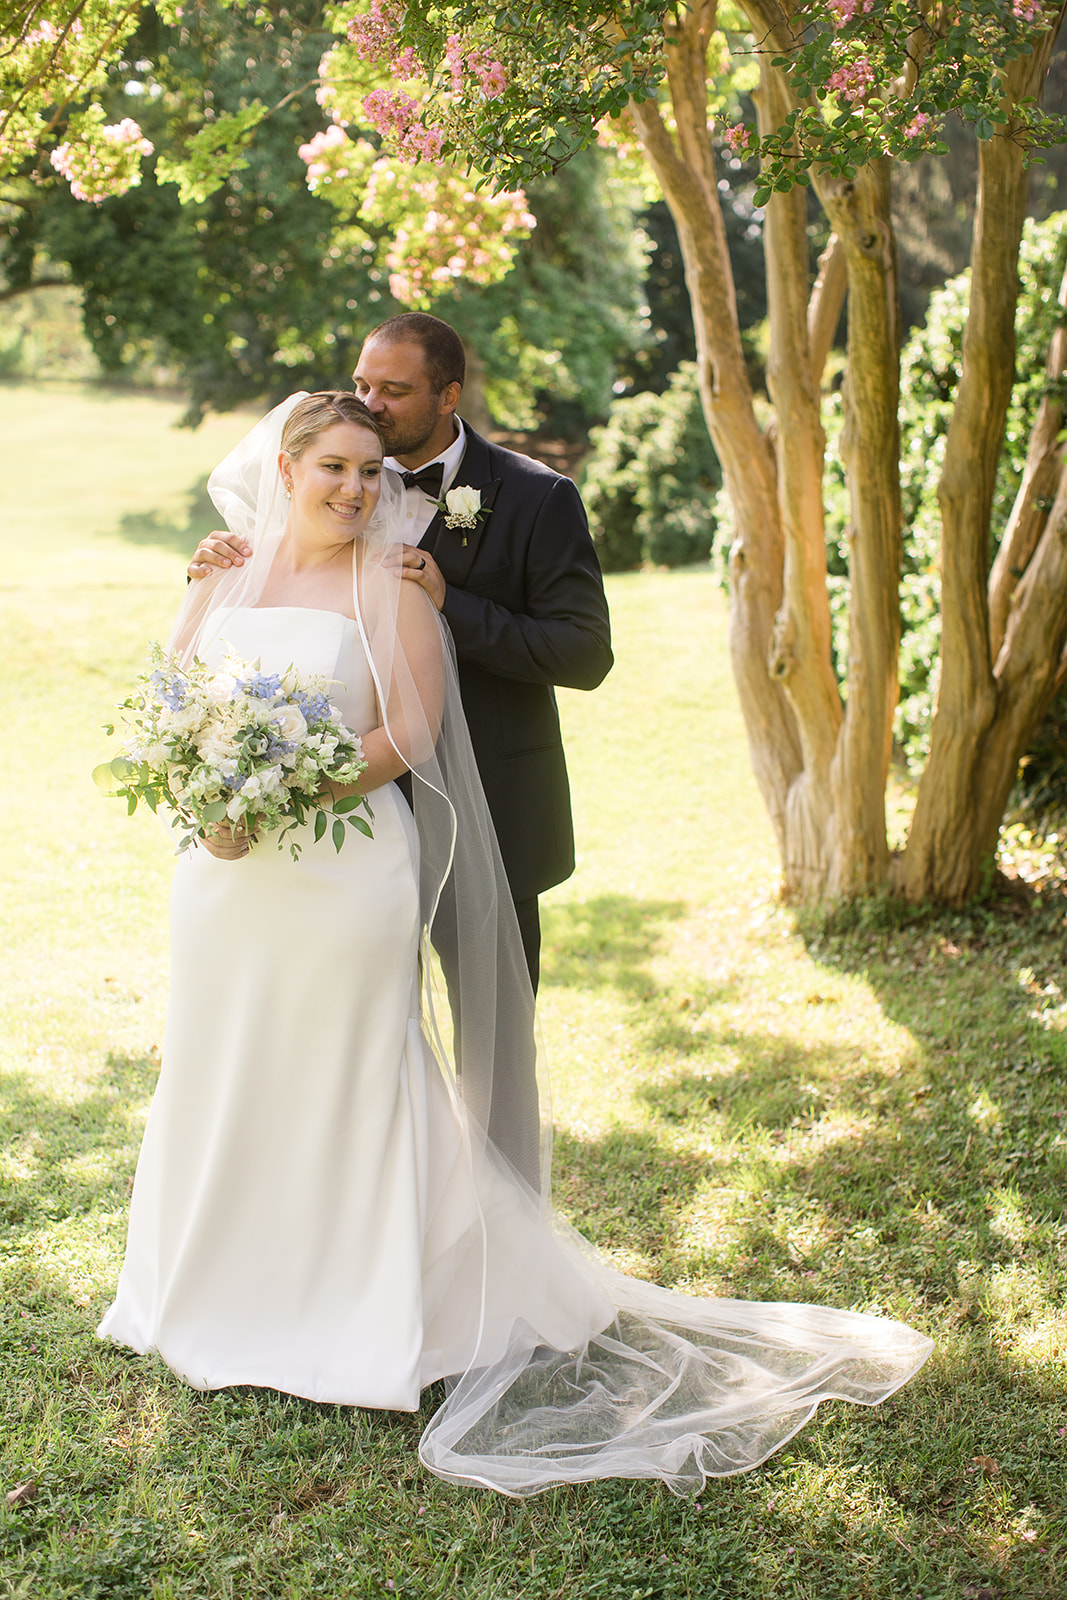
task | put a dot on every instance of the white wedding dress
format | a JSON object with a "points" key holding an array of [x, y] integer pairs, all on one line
{"points": [[303, 1215], [311, 1213]]}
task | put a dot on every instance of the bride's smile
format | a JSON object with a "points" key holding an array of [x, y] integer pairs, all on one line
{"points": [[334, 485]]}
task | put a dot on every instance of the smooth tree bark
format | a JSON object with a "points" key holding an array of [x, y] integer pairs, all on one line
{"points": [[1041, 476], [985, 712], [870, 448], [684, 164]]}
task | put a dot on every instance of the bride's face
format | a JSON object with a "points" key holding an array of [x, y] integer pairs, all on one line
{"points": [[336, 482]]}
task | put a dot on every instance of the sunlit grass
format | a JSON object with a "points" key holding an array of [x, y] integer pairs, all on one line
{"points": [[864, 1115]]}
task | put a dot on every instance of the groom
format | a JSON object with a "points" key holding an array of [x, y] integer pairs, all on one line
{"points": [[521, 592]]}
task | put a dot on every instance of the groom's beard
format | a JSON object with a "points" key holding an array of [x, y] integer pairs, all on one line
{"points": [[408, 435]]}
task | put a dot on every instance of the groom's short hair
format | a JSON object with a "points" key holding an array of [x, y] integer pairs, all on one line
{"points": [[441, 345]]}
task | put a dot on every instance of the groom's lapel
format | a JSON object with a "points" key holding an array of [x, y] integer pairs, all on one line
{"points": [[454, 549]]}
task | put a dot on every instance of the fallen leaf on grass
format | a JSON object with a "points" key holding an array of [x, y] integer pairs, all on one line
{"points": [[985, 1465], [22, 1493]]}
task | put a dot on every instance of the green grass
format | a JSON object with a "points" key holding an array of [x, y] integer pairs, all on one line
{"points": [[859, 1111]]}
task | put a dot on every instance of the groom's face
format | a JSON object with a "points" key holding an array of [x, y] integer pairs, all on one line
{"points": [[416, 422]]}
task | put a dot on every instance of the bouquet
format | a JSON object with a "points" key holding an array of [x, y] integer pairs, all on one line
{"points": [[233, 744]]}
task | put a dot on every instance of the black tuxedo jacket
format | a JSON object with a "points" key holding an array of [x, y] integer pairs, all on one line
{"points": [[525, 603]]}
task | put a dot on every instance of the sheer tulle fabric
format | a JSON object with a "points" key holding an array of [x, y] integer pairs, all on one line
{"points": [[569, 1371]]}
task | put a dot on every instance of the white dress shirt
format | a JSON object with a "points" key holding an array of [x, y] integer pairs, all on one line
{"points": [[419, 509]]}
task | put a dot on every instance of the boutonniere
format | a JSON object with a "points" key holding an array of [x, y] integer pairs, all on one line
{"points": [[462, 508]]}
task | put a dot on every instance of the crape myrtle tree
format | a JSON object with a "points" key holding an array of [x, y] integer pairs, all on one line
{"points": [[209, 106], [843, 90], [216, 226]]}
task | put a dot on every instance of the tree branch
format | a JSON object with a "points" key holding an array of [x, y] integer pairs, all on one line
{"points": [[1041, 474], [28, 288], [825, 305]]}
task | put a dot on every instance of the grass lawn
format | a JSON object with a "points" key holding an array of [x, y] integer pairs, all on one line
{"points": [[847, 1112]]}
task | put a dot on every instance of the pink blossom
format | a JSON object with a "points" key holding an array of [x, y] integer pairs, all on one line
{"points": [[405, 65], [737, 136], [1026, 10], [318, 155], [917, 126], [454, 58], [852, 80], [374, 33], [493, 80], [110, 165], [396, 116], [845, 10], [490, 74]]}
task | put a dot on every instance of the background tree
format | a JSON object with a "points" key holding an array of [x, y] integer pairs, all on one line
{"points": [[844, 90], [244, 269]]}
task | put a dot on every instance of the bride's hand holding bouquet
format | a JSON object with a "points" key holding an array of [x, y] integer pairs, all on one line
{"points": [[235, 753]]}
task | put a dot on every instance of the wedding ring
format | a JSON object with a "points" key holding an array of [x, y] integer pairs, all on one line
{"points": [[422, 563]]}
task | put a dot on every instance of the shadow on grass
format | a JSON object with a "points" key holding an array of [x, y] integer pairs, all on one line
{"points": [[605, 942], [150, 528], [936, 1492], [939, 1177], [70, 1157]]}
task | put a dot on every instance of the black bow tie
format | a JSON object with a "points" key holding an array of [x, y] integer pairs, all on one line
{"points": [[428, 479]]}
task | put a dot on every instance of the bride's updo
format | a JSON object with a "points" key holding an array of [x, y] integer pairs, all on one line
{"points": [[317, 412]]}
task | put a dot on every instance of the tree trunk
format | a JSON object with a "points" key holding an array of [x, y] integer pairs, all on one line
{"points": [[1028, 672], [801, 657], [952, 841], [870, 446], [686, 172], [1041, 475]]}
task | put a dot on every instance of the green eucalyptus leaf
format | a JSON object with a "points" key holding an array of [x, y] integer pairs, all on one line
{"points": [[105, 779], [338, 834], [320, 825]]}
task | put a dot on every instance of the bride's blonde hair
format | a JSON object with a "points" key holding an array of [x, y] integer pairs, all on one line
{"points": [[317, 412]]}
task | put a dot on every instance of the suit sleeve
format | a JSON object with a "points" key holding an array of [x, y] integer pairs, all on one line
{"points": [[563, 637]]}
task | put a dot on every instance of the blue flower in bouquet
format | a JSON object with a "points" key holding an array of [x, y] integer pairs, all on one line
{"points": [[264, 751], [314, 707], [260, 685], [169, 688]]}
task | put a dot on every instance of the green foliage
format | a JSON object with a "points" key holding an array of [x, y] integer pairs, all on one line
{"points": [[264, 287], [567, 65], [553, 332], [650, 483], [201, 171], [254, 292], [844, 57], [56, 64]]}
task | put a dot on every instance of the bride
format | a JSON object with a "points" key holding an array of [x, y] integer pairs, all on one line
{"points": [[318, 1206]]}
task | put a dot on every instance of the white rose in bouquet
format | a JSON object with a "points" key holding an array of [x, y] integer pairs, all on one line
{"points": [[257, 749]]}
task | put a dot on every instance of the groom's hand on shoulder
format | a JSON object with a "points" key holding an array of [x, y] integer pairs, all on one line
{"points": [[419, 567], [218, 549]]}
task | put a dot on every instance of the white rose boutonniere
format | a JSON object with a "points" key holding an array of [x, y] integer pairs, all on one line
{"points": [[463, 508]]}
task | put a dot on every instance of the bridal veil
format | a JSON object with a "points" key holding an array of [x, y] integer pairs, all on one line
{"points": [[651, 1384]]}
